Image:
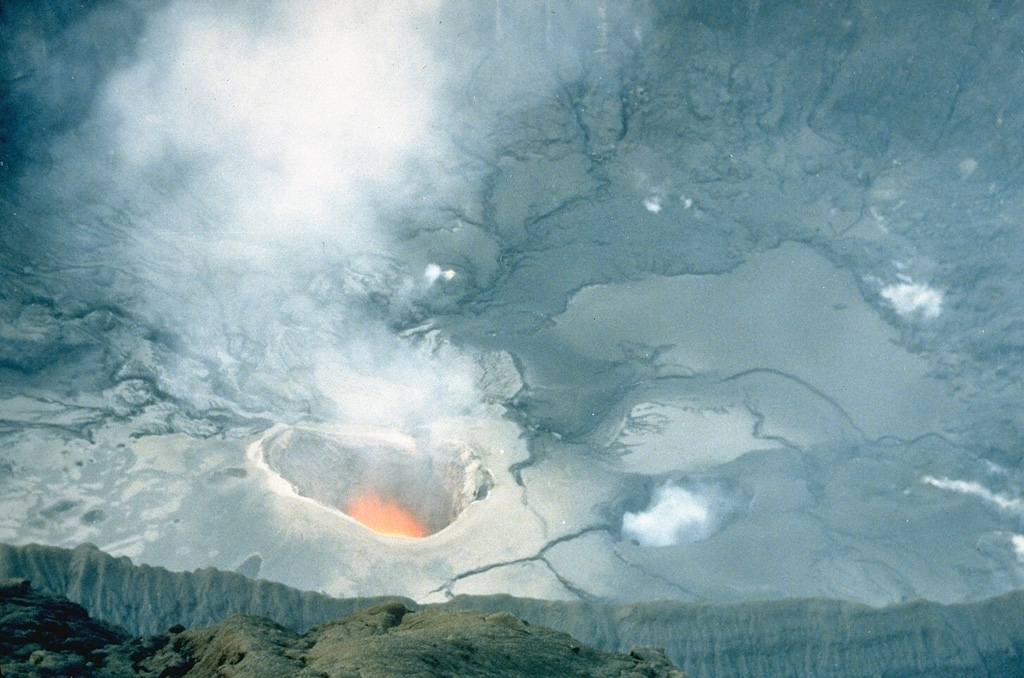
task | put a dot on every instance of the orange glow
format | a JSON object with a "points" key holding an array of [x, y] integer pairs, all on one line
{"points": [[385, 517]]}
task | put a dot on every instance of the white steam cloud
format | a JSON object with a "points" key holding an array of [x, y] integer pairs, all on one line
{"points": [[909, 299], [381, 381], [1018, 546], [674, 516], [241, 174], [288, 116], [246, 183], [975, 489]]}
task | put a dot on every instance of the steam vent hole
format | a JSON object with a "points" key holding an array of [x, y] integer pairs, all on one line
{"points": [[387, 481]]}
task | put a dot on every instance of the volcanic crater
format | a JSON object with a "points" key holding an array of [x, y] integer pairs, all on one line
{"points": [[389, 482]]}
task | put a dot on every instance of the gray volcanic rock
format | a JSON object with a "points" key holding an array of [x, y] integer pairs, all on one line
{"points": [[147, 600], [799, 637], [391, 640], [45, 635]]}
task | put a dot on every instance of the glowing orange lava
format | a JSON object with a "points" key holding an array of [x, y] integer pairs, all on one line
{"points": [[385, 517]]}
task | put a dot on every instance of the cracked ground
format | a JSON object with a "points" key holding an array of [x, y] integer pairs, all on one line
{"points": [[712, 305]]}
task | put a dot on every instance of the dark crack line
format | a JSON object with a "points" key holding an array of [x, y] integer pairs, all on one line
{"points": [[810, 387], [759, 419], [572, 588], [446, 587], [656, 577]]}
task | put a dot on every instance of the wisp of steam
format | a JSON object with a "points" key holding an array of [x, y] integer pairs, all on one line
{"points": [[240, 171]]}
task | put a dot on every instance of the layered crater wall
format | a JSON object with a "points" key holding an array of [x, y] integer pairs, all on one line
{"points": [[382, 479]]}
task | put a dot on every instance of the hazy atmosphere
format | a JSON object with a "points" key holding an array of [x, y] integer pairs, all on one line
{"points": [[566, 299]]}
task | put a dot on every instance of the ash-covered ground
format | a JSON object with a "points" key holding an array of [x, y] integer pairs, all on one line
{"points": [[614, 300]]}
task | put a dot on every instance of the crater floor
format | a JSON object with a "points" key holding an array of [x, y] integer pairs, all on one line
{"points": [[616, 303]]}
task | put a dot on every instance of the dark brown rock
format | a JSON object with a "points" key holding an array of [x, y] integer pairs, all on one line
{"points": [[393, 641], [43, 635], [49, 635]]}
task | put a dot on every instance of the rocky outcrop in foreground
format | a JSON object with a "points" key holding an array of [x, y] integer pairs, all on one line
{"points": [[46, 635], [42, 634]]}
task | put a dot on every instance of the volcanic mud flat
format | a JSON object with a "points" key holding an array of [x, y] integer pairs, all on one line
{"points": [[727, 294]]}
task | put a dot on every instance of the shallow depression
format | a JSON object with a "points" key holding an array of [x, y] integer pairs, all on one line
{"points": [[387, 481]]}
